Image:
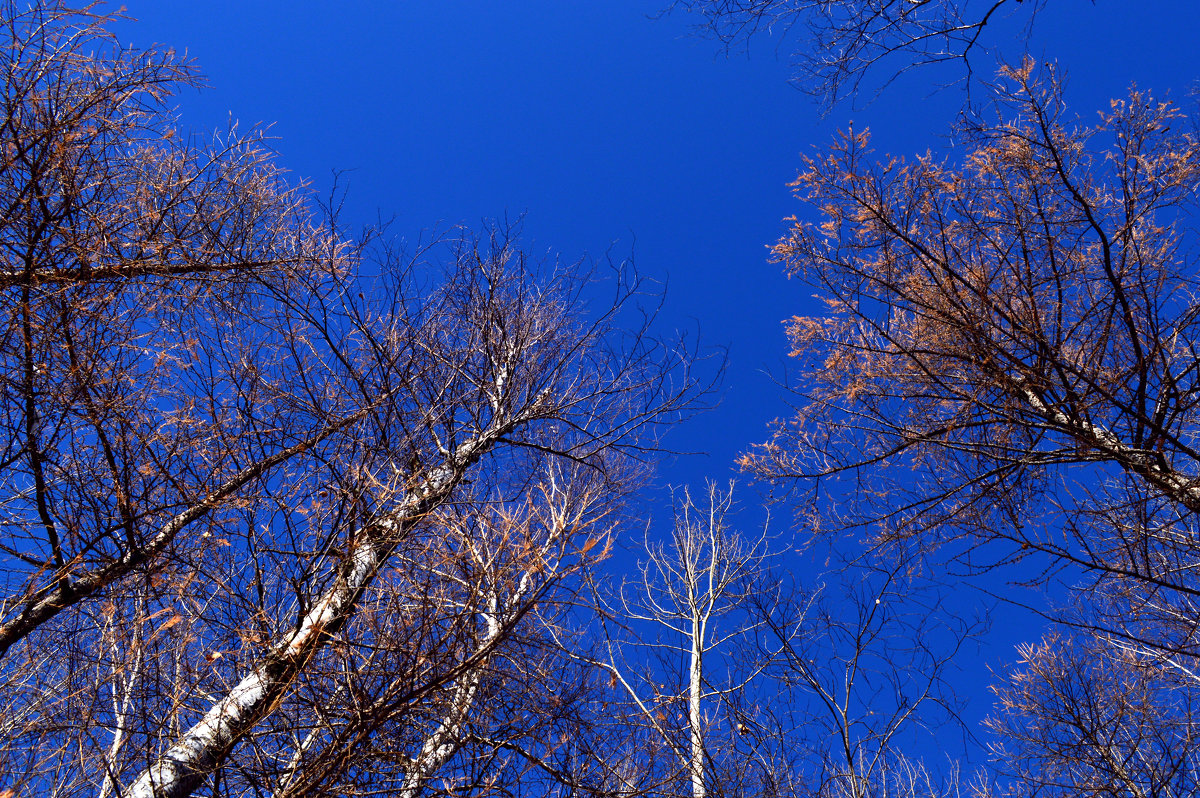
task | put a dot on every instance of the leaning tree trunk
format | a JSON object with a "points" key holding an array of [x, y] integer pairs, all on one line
{"points": [[203, 747]]}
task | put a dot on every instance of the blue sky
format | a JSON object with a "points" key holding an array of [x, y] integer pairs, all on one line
{"points": [[607, 128]]}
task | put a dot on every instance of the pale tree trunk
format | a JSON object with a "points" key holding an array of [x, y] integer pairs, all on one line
{"points": [[43, 605], [447, 738], [695, 721], [202, 748], [288, 781], [685, 587], [122, 689], [499, 617], [185, 764], [437, 748]]}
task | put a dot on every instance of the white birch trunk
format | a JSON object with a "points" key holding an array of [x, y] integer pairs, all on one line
{"points": [[293, 768], [1181, 487], [121, 702], [182, 768], [446, 739], [185, 764], [695, 720]]}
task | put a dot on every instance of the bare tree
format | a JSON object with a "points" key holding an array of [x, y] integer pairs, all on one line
{"points": [[473, 711], [1009, 359], [994, 327], [125, 246], [686, 605], [842, 43], [241, 472], [856, 672], [495, 361]]}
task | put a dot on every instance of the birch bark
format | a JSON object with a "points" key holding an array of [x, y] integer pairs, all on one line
{"points": [[202, 748], [551, 540]]}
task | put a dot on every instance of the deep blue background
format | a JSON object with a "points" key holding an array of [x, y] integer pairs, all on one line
{"points": [[612, 130]]}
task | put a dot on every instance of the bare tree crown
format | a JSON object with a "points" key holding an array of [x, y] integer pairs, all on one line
{"points": [[1008, 362], [280, 507]]}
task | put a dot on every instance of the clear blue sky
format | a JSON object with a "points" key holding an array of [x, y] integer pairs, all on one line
{"points": [[607, 128]]}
